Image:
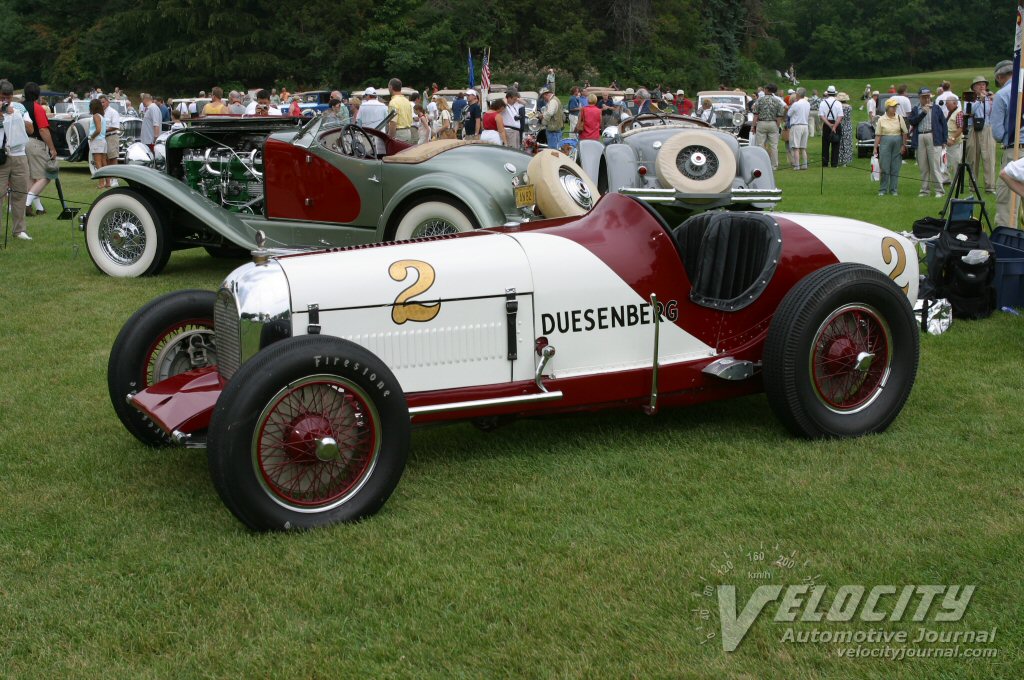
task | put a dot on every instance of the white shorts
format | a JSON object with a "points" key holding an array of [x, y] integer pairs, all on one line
{"points": [[798, 137], [98, 145]]}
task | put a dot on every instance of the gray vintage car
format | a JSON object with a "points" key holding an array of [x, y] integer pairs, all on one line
{"points": [[310, 187], [679, 162]]}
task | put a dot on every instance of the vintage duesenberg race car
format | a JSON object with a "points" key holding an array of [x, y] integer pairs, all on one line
{"points": [[303, 374]]}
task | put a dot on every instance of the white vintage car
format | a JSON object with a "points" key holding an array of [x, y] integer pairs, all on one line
{"points": [[302, 375]]}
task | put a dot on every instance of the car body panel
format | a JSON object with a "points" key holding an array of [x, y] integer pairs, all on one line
{"points": [[315, 196], [437, 311]]}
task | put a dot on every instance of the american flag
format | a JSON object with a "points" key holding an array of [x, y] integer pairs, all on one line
{"points": [[485, 76]]}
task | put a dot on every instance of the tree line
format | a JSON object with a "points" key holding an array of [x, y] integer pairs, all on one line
{"points": [[179, 46]]}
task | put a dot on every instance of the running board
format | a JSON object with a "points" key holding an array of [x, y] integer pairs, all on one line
{"points": [[483, 403]]}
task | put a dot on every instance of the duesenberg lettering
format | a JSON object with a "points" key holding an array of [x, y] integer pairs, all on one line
{"points": [[603, 318]]}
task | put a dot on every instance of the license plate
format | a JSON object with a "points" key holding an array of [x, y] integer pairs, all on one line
{"points": [[525, 196]]}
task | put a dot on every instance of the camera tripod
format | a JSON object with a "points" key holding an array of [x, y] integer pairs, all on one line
{"points": [[958, 184]]}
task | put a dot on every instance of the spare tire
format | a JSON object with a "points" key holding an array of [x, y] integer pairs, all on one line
{"points": [[696, 162], [563, 188], [75, 136]]}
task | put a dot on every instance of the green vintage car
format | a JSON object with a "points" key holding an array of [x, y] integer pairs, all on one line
{"points": [[222, 180]]}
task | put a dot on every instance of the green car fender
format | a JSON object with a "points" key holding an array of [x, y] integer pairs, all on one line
{"points": [[480, 202], [163, 188]]}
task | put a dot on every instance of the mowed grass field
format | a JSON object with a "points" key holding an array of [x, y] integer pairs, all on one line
{"points": [[559, 547]]}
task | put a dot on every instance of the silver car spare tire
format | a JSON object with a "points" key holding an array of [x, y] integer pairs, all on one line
{"points": [[563, 188], [696, 162], [124, 236], [433, 218]]}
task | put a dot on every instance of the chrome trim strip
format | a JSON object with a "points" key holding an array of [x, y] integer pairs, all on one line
{"points": [[483, 403], [653, 407], [734, 196]]}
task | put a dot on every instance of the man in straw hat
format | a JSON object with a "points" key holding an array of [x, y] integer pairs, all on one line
{"points": [[981, 147]]}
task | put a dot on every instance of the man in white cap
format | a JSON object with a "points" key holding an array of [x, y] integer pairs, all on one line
{"points": [[831, 113], [684, 103], [372, 113]]}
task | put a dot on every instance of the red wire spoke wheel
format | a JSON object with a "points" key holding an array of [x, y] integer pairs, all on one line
{"points": [[850, 357], [311, 431], [316, 443], [841, 353]]}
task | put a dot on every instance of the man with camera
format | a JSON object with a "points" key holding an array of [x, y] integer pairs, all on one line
{"points": [[980, 151], [262, 106]]}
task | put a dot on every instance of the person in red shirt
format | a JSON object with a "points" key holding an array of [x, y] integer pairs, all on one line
{"points": [[684, 103], [589, 126], [39, 150]]}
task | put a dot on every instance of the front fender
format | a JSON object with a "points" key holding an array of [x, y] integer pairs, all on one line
{"points": [[485, 208], [232, 226]]}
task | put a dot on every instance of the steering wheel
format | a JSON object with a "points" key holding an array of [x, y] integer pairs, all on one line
{"points": [[357, 143]]}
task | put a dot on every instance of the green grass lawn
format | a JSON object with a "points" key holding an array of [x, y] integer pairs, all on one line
{"points": [[559, 547]]}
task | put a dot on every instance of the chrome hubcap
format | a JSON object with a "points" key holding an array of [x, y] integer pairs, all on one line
{"points": [[697, 162], [327, 449], [122, 236], [577, 189]]}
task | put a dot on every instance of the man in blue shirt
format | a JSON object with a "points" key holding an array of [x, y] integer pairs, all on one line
{"points": [[457, 106], [1003, 132]]}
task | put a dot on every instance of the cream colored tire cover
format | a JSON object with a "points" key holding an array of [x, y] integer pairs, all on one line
{"points": [[563, 188], [696, 162]]}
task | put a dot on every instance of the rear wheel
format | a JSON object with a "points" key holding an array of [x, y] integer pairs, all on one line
{"points": [[124, 235], [169, 335], [437, 217], [312, 431], [841, 353]]}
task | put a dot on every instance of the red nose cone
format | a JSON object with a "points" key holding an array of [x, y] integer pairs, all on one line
{"points": [[642, 170], [757, 173]]}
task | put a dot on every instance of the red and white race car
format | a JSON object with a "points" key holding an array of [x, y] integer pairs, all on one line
{"points": [[303, 374]]}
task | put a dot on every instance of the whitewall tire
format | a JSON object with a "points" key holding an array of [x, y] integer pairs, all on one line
{"points": [[433, 218], [124, 236]]}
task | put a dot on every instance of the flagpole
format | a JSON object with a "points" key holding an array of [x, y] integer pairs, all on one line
{"points": [[1016, 90]]}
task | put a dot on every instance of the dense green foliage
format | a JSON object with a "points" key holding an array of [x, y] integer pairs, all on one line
{"points": [[181, 45]]}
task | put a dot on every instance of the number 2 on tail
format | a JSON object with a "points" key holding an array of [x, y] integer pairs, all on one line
{"points": [[890, 246], [403, 310]]}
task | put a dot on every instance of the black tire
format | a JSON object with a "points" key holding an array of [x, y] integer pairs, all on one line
{"points": [[816, 382], [271, 427], [125, 235], [153, 345]]}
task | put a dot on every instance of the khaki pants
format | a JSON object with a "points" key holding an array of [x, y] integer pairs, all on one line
{"points": [[15, 173], [403, 134], [954, 154], [928, 158], [981, 155], [514, 140], [767, 137]]}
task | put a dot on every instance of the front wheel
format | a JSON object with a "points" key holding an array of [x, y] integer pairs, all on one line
{"points": [[169, 335], [841, 353], [312, 431], [124, 235]]}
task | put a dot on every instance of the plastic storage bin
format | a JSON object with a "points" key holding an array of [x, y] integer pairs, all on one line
{"points": [[1009, 281]]}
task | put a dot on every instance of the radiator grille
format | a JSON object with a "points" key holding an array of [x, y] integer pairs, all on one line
{"points": [[225, 326]]}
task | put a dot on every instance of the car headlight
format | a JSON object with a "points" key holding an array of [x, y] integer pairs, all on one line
{"points": [[139, 154], [737, 119]]}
